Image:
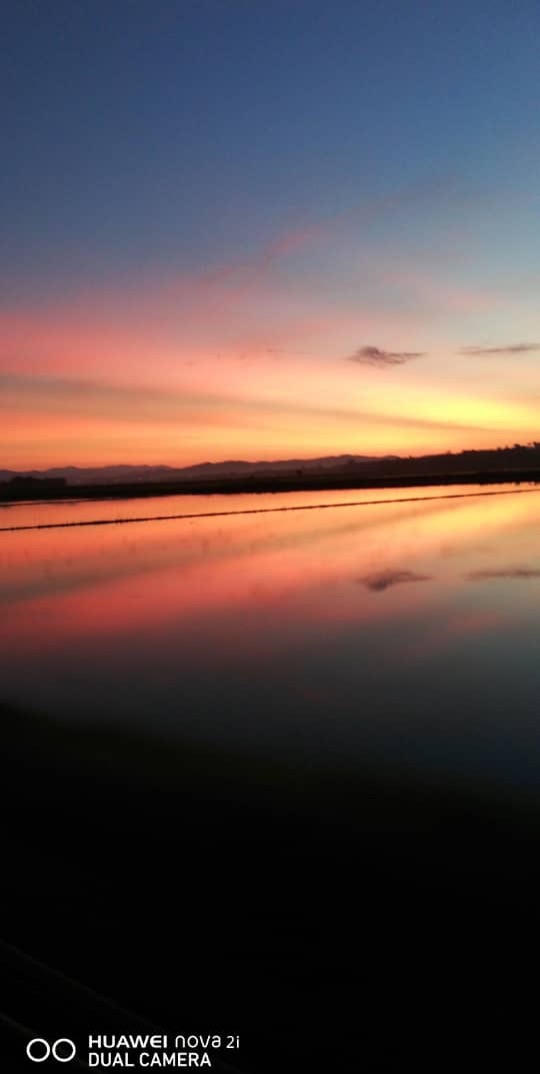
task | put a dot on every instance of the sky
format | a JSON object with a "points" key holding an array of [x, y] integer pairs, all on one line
{"points": [[259, 230]]}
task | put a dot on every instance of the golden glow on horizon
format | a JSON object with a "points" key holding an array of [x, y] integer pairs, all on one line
{"points": [[222, 367], [228, 429]]}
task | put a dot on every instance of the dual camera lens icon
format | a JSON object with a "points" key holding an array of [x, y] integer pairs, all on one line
{"points": [[38, 1050]]}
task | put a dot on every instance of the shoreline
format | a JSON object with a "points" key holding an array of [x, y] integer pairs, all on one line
{"points": [[262, 484]]}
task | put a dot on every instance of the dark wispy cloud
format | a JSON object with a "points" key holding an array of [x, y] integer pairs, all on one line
{"points": [[509, 348], [381, 580], [503, 572], [370, 355]]}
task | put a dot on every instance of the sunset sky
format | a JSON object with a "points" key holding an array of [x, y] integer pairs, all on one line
{"points": [[262, 229]]}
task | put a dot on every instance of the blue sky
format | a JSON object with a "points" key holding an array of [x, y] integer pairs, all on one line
{"points": [[367, 171]]}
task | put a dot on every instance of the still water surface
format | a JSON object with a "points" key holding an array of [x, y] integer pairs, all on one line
{"points": [[405, 629]]}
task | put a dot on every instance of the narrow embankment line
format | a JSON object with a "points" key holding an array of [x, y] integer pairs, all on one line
{"points": [[260, 510]]}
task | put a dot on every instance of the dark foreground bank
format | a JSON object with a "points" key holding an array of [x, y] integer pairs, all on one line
{"points": [[42, 490], [336, 920]]}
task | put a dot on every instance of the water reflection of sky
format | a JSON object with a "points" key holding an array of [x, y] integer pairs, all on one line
{"points": [[407, 630]]}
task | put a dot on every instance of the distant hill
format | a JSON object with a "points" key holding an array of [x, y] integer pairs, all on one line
{"points": [[344, 471], [113, 475]]}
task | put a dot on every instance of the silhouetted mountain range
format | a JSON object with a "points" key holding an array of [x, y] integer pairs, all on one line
{"points": [[77, 475], [518, 456]]}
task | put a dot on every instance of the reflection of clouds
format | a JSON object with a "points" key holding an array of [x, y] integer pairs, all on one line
{"points": [[380, 580], [503, 572]]}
